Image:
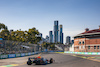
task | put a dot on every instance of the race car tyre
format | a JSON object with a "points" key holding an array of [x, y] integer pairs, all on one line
{"points": [[34, 61], [29, 62], [51, 60], [42, 62], [38, 62]]}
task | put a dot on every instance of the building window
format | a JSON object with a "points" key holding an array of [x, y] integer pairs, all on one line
{"points": [[97, 47], [88, 47], [83, 42], [79, 47], [79, 42], [94, 47], [76, 47], [83, 47]]}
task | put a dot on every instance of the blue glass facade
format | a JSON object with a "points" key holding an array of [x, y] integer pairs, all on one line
{"points": [[50, 37], [56, 31], [41, 35], [68, 40], [61, 35]]}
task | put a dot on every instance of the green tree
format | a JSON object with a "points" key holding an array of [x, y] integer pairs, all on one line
{"points": [[4, 31], [32, 36], [2, 26], [18, 36], [22, 36], [4, 34]]}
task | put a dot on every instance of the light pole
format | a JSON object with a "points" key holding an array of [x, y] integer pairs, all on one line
{"points": [[39, 43]]}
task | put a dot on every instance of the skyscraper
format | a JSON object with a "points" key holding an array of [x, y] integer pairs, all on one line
{"points": [[40, 35], [72, 41], [56, 31], [61, 34], [47, 38], [50, 37], [68, 40], [62, 38]]}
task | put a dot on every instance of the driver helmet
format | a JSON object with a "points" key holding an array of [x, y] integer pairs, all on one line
{"points": [[39, 57]]}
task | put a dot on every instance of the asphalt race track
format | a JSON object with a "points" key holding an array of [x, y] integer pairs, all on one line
{"points": [[61, 60]]}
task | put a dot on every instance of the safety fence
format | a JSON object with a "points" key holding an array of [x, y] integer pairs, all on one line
{"points": [[14, 47], [85, 53]]}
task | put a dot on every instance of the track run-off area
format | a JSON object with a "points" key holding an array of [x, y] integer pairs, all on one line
{"points": [[61, 60]]}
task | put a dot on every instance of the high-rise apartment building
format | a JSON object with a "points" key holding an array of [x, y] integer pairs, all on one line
{"points": [[40, 35], [68, 39], [50, 37], [56, 29], [72, 41], [61, 34], [47, 39]]}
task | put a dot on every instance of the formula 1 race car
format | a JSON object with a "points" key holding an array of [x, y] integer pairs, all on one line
{"points": [[39, 61]]}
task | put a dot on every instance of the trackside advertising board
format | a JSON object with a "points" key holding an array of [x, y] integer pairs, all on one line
{"points": [[17, 55], [3, 56], [24, 54], [11, 55], [86, 53]]}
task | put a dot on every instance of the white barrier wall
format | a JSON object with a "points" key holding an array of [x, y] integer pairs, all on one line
{"points": [[71, 48]]}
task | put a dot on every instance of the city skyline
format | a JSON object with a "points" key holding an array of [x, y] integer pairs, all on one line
{"points": [[56, 35], [74, 15]]}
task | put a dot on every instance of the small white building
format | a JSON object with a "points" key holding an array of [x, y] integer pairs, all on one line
{"points": [[71, 48]]}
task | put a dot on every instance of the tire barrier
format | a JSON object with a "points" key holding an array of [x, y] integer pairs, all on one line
{"points": [[85, 53]]}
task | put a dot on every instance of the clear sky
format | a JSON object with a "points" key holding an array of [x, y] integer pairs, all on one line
{"points": [[74, 15]]}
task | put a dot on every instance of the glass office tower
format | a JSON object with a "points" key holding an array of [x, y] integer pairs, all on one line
{"points": [[50, 37], [61, 34], [56, 31], [68, 39]]}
